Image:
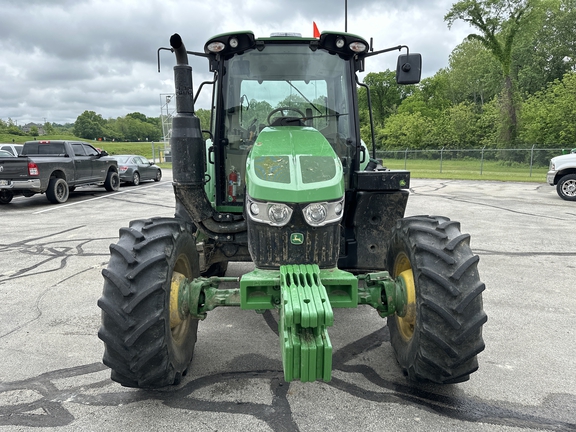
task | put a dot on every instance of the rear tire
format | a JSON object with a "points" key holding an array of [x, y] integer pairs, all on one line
{"points": [[57, 192], [141, 347], [6, 196], [112, 182], [135, 178], [566, 187], [440, 339]]}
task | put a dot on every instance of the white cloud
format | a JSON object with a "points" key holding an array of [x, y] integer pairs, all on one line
{"points": [[61, 57]]}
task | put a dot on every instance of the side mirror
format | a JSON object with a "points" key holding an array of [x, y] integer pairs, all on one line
{"points": [[103, 153], [409, 68]]}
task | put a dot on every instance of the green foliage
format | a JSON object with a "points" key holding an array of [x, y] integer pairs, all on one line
{"points": [[404, 130], [549, 116], [89, 125], [133, 127], [474, 73], [499, 23]]}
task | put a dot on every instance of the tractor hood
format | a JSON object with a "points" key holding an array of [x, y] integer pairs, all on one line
{"points": [[293, 164]]}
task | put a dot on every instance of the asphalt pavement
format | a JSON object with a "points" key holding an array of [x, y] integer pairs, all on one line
{"points": [[52, 377]]}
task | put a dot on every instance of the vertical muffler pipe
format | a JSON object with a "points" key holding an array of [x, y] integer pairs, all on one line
{"points": [[188, 152]]}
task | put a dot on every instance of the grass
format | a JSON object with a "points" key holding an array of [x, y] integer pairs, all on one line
{"points": [[113, 148], [469, 170], [419, 168]]}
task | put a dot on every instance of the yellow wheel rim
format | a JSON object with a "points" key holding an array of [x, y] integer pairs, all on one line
{"points": [[403, 270], [178, 325], [175, 318]]}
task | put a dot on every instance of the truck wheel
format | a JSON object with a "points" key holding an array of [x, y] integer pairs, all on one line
{"points": [[112, 182], [135, 178], [566, 187], [142, 347], [6, 196], [57, 192], [441, 334]]}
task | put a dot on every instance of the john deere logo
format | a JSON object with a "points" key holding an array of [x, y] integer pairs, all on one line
{"points": [[297, 238]]}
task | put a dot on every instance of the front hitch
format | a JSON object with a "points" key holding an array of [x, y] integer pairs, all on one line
{"points": [[304, 296]]}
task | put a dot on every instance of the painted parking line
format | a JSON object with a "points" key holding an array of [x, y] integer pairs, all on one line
{"points": [[57, 207]]}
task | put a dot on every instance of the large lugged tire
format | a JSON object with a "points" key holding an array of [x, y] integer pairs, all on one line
{"points": [[566, 187], [141, 346], [6, 196], [112, 182], [57, 192], [440, 336]]}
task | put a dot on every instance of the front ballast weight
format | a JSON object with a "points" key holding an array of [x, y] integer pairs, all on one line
{"points": [[304, 296]]}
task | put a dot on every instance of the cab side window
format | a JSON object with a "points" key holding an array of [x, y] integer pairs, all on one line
{"points": [[78, 150], [7, 148], [90, 151]]}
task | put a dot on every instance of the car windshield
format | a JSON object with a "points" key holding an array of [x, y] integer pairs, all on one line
{"points": [[122, 159]]}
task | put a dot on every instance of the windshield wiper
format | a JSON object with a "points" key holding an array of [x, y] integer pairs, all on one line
{"points": [[301, 94]]}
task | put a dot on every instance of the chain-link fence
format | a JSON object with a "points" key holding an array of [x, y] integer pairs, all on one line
{"points": [[477, 160]]}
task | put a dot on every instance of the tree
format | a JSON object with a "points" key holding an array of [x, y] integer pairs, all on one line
{"points": [[137, 116], [403, 131], [549, 51], [385, 94], [549, 117], [474, 73], [499, 22], [48, 128], [89, 125]]}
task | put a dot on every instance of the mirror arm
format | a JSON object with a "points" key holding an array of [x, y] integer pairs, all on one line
{"points": [[396, 48]]}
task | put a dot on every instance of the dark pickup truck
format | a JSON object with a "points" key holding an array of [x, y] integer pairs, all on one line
{"points": [[56, 168]]}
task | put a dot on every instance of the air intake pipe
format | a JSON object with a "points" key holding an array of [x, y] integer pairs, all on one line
{"points": [[188, 154]]}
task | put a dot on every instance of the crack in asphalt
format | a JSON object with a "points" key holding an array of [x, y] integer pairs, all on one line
{"points": [[278, 415]]}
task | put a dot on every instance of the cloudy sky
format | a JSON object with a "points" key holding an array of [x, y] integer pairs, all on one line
{"points": [[59, 58]]}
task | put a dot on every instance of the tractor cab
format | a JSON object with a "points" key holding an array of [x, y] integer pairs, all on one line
{"points": [[299, 90]]}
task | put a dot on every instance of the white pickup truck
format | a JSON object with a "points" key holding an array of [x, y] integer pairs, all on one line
{"points": [[562, 173]]}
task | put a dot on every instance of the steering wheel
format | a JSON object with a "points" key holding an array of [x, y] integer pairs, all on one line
{"points": [[282, 109]]}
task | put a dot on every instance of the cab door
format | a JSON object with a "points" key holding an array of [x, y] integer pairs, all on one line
{"points": [[146, 171], [98, 167], [82, 163]]}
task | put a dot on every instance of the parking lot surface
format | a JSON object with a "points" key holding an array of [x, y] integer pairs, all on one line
{"points": [[52, 378]]}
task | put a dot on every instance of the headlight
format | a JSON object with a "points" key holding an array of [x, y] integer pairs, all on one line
{"points": [[315, 214], [322, 213], [275, 214], [552, 166], [279, 214]]}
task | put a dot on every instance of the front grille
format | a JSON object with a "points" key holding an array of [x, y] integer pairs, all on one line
{"points": [[271, 247]]}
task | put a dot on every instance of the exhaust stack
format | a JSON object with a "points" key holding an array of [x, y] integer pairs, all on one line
{"points": [[188, 153]]}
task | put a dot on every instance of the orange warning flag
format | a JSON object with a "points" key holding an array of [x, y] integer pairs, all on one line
{"points": [[316, 31]]}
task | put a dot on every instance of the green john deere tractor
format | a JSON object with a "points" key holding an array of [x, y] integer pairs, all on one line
{"points": [[283, 179]]}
